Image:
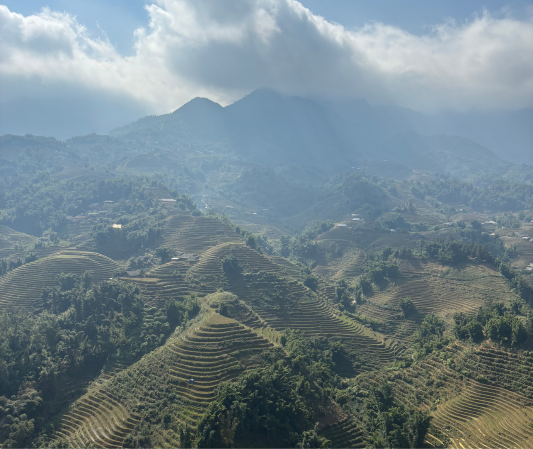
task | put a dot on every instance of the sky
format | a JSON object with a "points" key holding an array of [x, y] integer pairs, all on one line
{"points": [[70, 67]]}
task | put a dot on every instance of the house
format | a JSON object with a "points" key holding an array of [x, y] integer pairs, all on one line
{"points": [[356, 219], [184, 256], [133, 273], [340, 225], [167, 200], [108, 202], [116, 226]]}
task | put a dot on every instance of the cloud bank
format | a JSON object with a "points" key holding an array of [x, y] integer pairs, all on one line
{"points": [[223, 50]]}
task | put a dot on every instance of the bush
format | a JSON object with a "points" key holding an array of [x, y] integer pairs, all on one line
{"points": [[164, 253], [311, 282], [230, 265], [407, 306]]}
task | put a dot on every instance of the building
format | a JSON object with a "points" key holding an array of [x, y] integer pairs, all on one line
{"points": [[185, 256]]}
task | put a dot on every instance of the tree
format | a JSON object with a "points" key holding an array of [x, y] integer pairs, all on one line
{"points": [[311, 439], [407, 306], [230, 265], [164, 253], [311, 282]]}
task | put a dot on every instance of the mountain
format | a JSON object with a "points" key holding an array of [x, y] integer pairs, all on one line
{"points": [[200, 120], [453, 155], [508, 133], [264, 127], [295, 130], [272, 129]]}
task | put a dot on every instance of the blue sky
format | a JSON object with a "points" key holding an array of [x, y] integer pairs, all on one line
{"points": [[74, 69]]}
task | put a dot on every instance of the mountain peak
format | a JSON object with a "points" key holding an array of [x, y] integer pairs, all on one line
{"points": [[259, 98], [199, 104]]}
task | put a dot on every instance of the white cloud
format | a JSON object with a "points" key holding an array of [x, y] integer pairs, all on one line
{"points": [[222, 50]]}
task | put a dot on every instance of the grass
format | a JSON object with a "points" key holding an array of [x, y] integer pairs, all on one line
{"points": [[9, 238], [218, 350], [196, 234], [23, 286], [212, 349], [486, 416], [438, 290], [281, 302], [467, 410], [97, 419], [344, 434], [165, 282]]}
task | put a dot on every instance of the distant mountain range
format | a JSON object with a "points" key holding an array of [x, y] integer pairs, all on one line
{"points": [[315, 137], [268, 128]]}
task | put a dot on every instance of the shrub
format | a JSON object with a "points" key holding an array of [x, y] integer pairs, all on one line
{"points": [[407, 306]]}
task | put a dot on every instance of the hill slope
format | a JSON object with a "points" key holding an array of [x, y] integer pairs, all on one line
{"points": [[23, 286]]}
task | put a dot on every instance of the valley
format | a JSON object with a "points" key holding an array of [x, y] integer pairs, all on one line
{"points": [[163, 286]]}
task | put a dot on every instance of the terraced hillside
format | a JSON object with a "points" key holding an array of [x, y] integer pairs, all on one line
{"points": [[23, 286], [435, 289], [468, 409], [369, 240], [96, 420], [508, 369], [213, 350], [165, 282], [218, 350], [282, 302], [196, 234], [344, 434], [486, 416], [9, 238], [347, 266]]}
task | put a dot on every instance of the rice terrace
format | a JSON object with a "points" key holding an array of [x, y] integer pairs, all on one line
{"points": [[266, 224]]}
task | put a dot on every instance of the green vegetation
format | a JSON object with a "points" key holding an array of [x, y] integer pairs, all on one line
{"points": [[269, 190], [410, 326], [377, 273], [164, 253], [429, 337], [302, 247], [34, 204], [82, 326], [7, 266], [498, 323], [281, 396], [407, 306], [498, 195]]}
